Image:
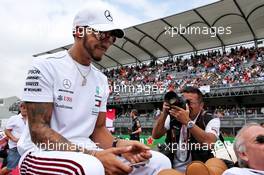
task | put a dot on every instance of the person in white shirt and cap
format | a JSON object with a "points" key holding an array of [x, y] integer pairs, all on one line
{"points": [[13, 130], [66, 99]]}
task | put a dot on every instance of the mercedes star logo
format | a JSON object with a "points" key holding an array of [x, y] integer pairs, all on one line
{"points": [[108, 15], [67, 83]]}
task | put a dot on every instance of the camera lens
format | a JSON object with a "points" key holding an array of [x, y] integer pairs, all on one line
{"points": [[170, 97], [173, 99]]}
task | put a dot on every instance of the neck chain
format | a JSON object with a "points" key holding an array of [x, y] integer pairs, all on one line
{"points": [[84, 81]]}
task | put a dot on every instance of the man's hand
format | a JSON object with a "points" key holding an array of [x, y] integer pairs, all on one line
{"points": [[16, 140], [112, 165], [10, 136], [180, 114], [138, 153], [165, 108]]}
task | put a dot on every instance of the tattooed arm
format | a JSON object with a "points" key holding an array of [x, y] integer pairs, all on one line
{"points": [[39, 116]]}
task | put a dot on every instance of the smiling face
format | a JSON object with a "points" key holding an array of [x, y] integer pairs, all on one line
{"points": [[96, 44], [254, 151]]}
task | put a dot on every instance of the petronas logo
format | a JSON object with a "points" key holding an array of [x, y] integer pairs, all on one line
{"points": [[97, 90]]}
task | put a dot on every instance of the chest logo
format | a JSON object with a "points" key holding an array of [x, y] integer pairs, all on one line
{"points": [[66, 84]]}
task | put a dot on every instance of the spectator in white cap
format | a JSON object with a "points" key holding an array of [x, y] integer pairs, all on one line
{"points": [[66, 99]]}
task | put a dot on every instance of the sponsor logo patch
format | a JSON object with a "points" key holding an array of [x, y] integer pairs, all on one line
{"points": [[67, 83]]}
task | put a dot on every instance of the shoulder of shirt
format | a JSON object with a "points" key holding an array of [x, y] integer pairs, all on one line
{"points": [[49, 61], [98, 71], [51, 57], [236, 171], [136, 119], [95, 69], [14, 116], [209, 114], [206, 113], [214, 120]]}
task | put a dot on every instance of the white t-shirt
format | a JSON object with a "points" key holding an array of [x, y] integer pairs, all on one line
{"points": [[55, 78], [213, 127], [17, 125], [157, 113], [242, 171]]}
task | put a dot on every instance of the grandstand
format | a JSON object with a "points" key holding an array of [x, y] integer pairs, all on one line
{"points": [[228, 66], [8, 107]]}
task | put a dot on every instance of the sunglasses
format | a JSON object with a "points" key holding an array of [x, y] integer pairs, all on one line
{"points": [[260, 139], [106, 36], [102, 36]]}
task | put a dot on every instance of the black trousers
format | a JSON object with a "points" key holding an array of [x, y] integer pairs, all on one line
{"points": [[134, 137]]}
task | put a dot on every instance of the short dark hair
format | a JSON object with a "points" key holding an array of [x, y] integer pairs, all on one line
{"points": [[134, 111], [194, 90], [262, 124]]}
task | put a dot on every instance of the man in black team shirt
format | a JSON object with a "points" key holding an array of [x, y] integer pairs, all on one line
{"points": [[136, 127]]}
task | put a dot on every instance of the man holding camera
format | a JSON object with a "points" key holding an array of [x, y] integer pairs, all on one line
{"points": [[191, 131]]}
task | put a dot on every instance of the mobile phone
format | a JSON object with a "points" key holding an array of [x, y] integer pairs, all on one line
{"points": [[138, 164]]}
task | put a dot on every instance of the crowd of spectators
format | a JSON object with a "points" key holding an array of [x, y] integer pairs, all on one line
{"points": [[229, 111], [220, 111], [239, 66]]}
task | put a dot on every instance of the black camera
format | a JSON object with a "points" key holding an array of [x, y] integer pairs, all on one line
{"points": [[173, 99]]}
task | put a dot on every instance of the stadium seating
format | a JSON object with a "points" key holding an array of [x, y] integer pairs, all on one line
{"points": [[240, 66]]}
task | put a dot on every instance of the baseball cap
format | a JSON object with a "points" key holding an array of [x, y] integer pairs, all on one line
{"points": [[99, 18]]}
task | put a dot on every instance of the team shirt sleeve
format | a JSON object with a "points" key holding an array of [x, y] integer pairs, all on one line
{"points": [[213, 127], [39, 84], [10, 123]]}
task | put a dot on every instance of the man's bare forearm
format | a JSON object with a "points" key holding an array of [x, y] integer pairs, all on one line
{"points": [[10, 135], [201, 136], [39, 116], [102, 137], [139, 130], [159, 129]]}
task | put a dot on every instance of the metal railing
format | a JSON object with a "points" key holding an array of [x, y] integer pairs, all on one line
{"points": [[226, 122]]}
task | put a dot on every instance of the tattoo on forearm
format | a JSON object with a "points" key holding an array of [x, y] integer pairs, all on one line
{"points": [[39, 116]]}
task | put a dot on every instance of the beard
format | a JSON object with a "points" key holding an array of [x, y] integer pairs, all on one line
{"points": [[91, 51]]}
